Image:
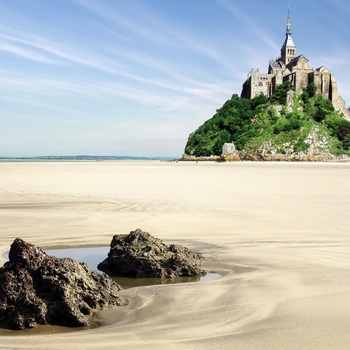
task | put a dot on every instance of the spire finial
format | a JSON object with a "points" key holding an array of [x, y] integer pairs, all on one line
{"points": [[289, 27]]}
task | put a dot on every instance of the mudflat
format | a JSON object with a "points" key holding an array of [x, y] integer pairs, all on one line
{"points": [[278, 233]]}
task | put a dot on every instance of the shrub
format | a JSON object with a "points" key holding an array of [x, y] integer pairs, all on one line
{"points": [[323, 107], [280, 95], [301, 146], [339, 127], [253, 122], [311, 89]]}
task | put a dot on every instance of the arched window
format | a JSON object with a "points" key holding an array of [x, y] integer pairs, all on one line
{"points": [[260, 84]]}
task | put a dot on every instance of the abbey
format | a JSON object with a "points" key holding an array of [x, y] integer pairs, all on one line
{"points": [[297, 70]]}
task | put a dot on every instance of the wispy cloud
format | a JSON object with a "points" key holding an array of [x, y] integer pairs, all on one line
{"points": [[103, 91], [152, 28], [26, 53], [32, 47], [144, 28], [249, 21], [68, 54], [126, 67]]}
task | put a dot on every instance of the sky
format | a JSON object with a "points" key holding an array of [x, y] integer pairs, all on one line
{"points": [[136, 77]]}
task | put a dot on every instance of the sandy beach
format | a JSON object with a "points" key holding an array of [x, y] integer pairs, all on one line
{"points": [[278, 233]]}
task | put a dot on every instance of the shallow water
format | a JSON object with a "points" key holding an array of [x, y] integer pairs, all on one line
{"points": [[93, 256]]}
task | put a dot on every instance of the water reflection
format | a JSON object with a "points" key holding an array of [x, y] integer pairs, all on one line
{"points": [[93, 256]]}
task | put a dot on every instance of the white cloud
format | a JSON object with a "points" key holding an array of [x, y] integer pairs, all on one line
{"points": [[126, 68], [249, 21]]}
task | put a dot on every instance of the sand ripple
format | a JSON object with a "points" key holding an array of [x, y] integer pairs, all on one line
{"points": [[279, 233]]}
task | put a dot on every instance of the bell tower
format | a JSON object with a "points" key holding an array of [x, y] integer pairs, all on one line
{"points": [[288, 50]]}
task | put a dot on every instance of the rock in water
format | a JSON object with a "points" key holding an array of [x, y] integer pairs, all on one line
{"points": [[139, 254], [36, 288]]}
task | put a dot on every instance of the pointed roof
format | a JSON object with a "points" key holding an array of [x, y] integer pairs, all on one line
{"points": [[322, 69], [289, 27], [289, 41], [295, 61]]}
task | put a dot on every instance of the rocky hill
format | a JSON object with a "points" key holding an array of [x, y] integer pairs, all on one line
{"points": [[285, 126]]}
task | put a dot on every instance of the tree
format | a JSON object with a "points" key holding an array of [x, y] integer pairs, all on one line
{"points": [[254, 122], [259, 100], [223, 137], [340, 128], [323, 108], [305, 96], [346, 142], [311, 89], [308, 92], [280, 94]]}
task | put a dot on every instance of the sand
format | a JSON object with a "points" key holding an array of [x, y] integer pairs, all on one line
{"points": [[278, 233]]}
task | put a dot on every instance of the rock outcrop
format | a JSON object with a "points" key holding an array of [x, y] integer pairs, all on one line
{"points": [[268, 157], [36, 288], [139, 254]]}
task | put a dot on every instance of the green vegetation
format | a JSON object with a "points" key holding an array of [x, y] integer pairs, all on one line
{"points": [[253, 124]]}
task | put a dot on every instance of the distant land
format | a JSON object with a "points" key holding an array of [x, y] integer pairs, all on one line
{"points": [[87, 157]]}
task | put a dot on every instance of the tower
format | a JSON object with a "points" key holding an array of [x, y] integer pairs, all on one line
{"points": [[288, 50], [297, 70]]}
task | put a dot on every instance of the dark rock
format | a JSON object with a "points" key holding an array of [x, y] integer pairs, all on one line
{"points": [[139, 254], [36, 288]]}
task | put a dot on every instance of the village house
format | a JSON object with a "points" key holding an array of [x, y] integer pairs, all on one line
{"points": [[228, 148]]}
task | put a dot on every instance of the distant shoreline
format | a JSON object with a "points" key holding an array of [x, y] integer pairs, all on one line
{"points": [[82, 158]]}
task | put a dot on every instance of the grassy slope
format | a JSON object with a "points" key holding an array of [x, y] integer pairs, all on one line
{"points": [[269, 125]]}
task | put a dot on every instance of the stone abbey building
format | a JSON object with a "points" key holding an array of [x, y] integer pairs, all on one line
{"points": [[297, 70]]}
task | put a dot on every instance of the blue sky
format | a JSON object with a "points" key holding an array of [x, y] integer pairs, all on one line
{"points": [[135, 77]]}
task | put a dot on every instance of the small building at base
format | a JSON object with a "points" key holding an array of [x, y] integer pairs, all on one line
{"points": [[228, 148]]}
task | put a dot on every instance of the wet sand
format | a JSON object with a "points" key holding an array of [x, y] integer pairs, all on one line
{"points": [[279, 233]]}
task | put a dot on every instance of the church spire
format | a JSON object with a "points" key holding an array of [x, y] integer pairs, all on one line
{"points": [[289, 27], [288, 50]]}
